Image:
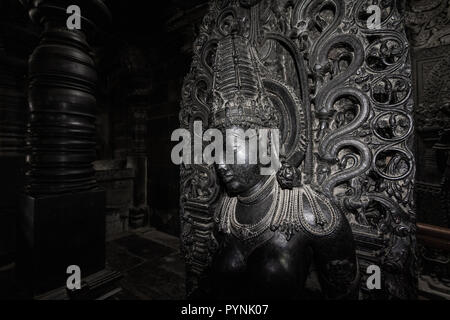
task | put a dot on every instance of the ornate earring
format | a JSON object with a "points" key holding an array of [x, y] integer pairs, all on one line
{"points": [[288, 176]]}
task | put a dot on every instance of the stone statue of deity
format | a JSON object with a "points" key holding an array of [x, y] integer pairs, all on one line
{"points": [[336, 96], [269, 228]]}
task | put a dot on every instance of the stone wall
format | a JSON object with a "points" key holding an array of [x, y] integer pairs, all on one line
{"points": [[142, 69], [171, 61], [428, 23]]}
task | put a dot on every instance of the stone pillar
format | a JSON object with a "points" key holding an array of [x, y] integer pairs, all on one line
{"points": [[137, 87], [63, 219], [138, 161]]}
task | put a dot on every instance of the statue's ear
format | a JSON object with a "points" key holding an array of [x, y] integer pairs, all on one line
{"points": [[289, 177]]}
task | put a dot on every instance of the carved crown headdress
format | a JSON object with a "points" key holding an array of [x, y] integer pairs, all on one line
{"points": [[239, 97]]}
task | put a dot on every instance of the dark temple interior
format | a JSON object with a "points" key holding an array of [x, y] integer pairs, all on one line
{"points": [[121, 219]]}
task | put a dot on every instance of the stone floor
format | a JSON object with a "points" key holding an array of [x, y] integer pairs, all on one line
{"points": [[151, 264]]}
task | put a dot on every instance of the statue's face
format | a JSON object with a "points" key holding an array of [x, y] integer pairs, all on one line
{"points": [[238, 178]]}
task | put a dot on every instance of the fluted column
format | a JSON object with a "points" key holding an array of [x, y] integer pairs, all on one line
{"points": [[62, 120], [136, 87], [63, 221], [138, 160], [62, 84]]}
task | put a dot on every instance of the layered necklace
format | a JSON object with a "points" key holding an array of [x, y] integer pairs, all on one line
{"points": [[227, 211], [286, 212]]}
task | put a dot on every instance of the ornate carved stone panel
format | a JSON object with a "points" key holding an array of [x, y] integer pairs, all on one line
{"points": [[432, 116], [351, 89], [428, 22]]}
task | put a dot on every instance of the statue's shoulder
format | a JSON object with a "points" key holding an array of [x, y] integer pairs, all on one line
{"points": [[303, 208]]}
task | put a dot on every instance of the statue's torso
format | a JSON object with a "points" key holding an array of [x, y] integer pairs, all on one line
{"points": [[267, 266], [271, 263]]}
